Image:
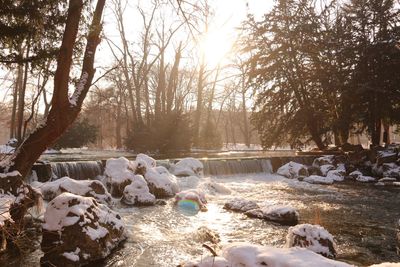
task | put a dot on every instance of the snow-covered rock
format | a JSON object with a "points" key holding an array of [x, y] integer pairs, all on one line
{"points": [[312, 237], [325, 160], [249, 255], [315, 179], [336, 175], [365, 179], [326, 168], [85, 188], [119, 173], [284, 215], [240, 205], [293, 170], [192, 195], [142, 163], [161, 183], [214, 188], [188, 167], [391, 170], [78, 230], [137, 193]]}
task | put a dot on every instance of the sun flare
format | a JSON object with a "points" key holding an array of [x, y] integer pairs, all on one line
{"points": [[216, 46]]}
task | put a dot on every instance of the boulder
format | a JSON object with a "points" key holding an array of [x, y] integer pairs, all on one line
{"points": [[161, 183], [315, 179], [326, 168], [293, 170], [78, 230], [391, 170], [325, 160], [85, 188], [313, 170], [336, 175], [119, 173], [142, 163], [386, 157], [240, 205], [188, 167], [284, 215], [313, 237], [358, 176], [137, 193]]}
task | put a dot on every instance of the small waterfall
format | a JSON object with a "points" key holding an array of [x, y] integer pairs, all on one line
{"points": [[80, 170], [237, 166]]}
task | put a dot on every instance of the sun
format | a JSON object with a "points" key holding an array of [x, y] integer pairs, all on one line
{"points": [[215, 46]]}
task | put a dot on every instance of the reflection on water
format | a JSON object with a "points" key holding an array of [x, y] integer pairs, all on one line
{"points": [[361, 217]]}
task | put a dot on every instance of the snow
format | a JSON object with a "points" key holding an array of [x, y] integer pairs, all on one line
{"points": [[326, 168], [119, 170], [292, 170], [325, 160], [241, 205], [6, 149], [365, 179], [148, 161], [274, 212], [214, 188], [336, 175], [52, 189], [386, 264], [192, 194], [9, 174], [79, 88], [161, 178], [188, 167], [249, 255], [316, 179], [313, 234], [72, 256], [67, 209], [5, 203], [138, 192]]}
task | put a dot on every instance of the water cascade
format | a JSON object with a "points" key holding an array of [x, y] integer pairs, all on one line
{"points": [[79, 170]]}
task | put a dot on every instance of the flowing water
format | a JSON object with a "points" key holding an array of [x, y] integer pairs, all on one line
{"points": [[361, 217]]}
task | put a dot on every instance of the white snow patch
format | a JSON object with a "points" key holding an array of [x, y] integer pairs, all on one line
{"points": [[72, 256], [119, 170], [161, 178], [188, 167], [312, 233], [292, 170], [138, 192], [316, 179], [326, 168]]}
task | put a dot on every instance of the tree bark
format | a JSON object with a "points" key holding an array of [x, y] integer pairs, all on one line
{"points": [[64, 110]]}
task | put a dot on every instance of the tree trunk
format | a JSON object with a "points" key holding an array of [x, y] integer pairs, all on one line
{"points": [[15, 102], [64, 109], [199, 107]]}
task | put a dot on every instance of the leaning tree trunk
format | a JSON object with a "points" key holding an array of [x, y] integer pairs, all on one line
{"points": [[64, 109]]}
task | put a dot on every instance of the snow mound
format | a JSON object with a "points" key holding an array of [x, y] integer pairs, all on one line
{"points": [[326, 168], [215, 188], [86, 188], [119, 170], [78, 230], [240, 205], [161, 183], [149, 161], [188, 167], [316, 179], [293, 170], [336, 175], [249, 255], [137, 193], [119, 173], [325, 160], [312, 237], [285, 215], [6, 149], [187, 182]]}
